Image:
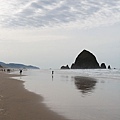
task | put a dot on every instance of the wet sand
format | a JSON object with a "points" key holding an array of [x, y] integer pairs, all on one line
{"points": [[17, 103]]}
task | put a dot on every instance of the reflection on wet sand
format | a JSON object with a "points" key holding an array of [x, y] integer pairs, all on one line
{"points": [[85, 84]]}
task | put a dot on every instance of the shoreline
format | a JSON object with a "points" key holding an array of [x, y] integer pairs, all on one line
{"points": [[17, 103]]}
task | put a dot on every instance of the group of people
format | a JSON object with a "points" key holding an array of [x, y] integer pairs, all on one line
{"points": [[21, 72]]}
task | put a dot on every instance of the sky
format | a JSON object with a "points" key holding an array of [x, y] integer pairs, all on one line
{"points": [[51, 33]]}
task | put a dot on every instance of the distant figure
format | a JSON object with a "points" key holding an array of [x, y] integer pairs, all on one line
{"points": [[8, 70], [20, 72], [52, 75], [52, 72]]}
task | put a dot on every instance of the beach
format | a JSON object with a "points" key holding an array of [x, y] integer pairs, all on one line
{"points": [[68, 94], [17, 103], [86, 94]]}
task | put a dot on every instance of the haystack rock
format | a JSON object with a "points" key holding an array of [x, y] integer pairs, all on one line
{"points": [[85, 60]]}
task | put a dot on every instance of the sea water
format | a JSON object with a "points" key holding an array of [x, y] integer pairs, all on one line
{"points": [[89, 94]]}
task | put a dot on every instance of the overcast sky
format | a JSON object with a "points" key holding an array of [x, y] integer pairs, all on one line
{"points": [[51, 33]]}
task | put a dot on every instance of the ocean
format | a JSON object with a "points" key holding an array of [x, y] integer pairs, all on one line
{"points": [[85, 94]]}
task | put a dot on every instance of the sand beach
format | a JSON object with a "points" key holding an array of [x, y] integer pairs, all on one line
{"points": [[17, 103]]}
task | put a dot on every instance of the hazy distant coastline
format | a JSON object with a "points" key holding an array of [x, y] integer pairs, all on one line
{"points": [[17, 66]]}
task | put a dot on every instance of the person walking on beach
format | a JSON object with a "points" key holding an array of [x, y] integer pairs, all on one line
{"points": [[52, 72], [20, 72]]}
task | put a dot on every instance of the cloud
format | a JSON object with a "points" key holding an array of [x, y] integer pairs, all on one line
{"points": [[73, 13]]}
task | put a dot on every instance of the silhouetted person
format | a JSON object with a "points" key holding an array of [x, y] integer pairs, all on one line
{"points": [[20, 72], [8, 70], [52, 72]]}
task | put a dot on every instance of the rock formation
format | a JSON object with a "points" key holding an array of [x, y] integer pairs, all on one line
{"points": [[103, 66], [85, 60], [65, 67], [109, 67], [1, 66]]}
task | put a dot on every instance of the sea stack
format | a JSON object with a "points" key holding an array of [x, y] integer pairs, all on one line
{"points": [[65, 67], [109, 67], [103, 66], [85, 60]]}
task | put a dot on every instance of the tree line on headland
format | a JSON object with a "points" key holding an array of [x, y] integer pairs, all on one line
{"points": [[9, 66]]}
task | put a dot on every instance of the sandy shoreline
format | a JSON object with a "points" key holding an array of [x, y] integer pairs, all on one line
{"points": [[16, 103]]}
